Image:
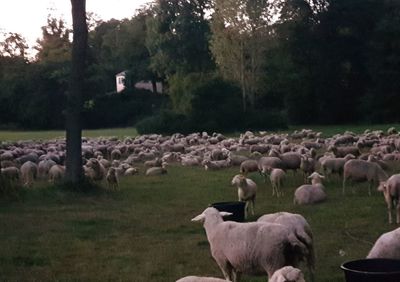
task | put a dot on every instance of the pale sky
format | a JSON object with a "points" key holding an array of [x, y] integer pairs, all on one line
{"points": [[28, 16]]}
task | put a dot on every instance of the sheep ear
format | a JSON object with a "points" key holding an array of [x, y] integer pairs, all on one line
{"points": [[200, 217], [224, 214]]}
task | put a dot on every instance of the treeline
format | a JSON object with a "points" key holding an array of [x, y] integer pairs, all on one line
{"points": [[225, 65]]}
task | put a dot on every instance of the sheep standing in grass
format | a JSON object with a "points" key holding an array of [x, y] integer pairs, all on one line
{"points": [[200, 279], [247, 191], [56, 173], [276, 177], [299, 225], [248, 166], [112, 179], [310, 194], [253, 248], [95, 170], [287, 274], [335, 165], [387, 246], [28, 173], [391, 193], [11, 173], [360, 170]]}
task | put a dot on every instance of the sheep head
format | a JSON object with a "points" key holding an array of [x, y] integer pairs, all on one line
{"points": [[210, 212]]}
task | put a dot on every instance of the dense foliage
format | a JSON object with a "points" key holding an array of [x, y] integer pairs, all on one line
{"points": [[224, 65]]}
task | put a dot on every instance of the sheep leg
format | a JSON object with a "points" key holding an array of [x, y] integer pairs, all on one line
{"points": [[344, 185], [397, 212], [236, 276], [253, 203], [226, 269], [389, 208], [369, 188]]}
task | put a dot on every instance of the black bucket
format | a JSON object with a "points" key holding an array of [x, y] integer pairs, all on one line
{"points": [[236, 208], [372, 270]]}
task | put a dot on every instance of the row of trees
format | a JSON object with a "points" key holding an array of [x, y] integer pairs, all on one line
{"points": [[309, 61]]}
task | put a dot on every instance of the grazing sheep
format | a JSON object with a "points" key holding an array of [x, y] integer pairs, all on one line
{"points": [[28, 173], [112, 179], [95, 170], [248, 166], [387, 246], [391, 193], [287, 274], [360, 170], [341, 152], [44, 167], [56, 173], [249, 248], [156, 170], [266, 164], [310, 194], [335, 165], [12, 173], [276, 177], [290, 160], [299, 225], [247, 190], [200, 279]]}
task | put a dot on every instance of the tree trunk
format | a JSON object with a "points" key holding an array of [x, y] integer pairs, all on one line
{"points": [[74, 171]]}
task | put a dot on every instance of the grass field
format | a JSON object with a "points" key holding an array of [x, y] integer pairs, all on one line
{"points": [[143, 232]]}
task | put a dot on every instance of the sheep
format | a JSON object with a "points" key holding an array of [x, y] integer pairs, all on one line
{"points": [[266, 164], [216, 165], [341, 152], [276, 177], [360, 170], [287, 274], [335, 165], [112, 179], [95, 170], [152, 163], [247, 190], [299, 225], [249, 248], [387, 246], [290, 160], [56, 173], [307, 165], [391, 193], [131, 171], [12, 173], [248, 166], [44, 167], [200, 279], [310, 194], [156, 170], [28, 173]]}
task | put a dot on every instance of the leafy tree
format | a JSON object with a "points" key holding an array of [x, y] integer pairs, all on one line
{"points": [[240, 33], [14, 45]]}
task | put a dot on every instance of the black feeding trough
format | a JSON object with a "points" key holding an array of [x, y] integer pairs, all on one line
{"points": [[236, 208], [372, 270]]}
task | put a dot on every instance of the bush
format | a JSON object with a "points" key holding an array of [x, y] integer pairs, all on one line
{"points": [[166, 122]]}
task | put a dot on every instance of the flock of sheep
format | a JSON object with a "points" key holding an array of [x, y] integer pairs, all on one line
{"points": [[275, 244]]}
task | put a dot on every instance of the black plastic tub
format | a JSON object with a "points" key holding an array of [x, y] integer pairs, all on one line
{"points": [[236, 208], [372, 270]]}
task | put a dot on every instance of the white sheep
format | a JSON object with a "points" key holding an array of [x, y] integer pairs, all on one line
{"points": [[28, 173], [131, 171], [56, 173], [156, 170], [391, 193], [310, 194], [335, 165], [248, 166], [200, 279], [276, 177], [299, 225], [287, 274], [360, 170], [112, 178], [94, 170], [247, 191], [387, 246], [249, 248]]}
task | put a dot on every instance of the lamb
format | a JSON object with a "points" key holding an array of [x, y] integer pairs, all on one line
{"points": [[249, 248], [299, 225], [248, 166], [266, 164], [360, 170], [387, 246], [276, 177], [156, 170], [200, 279], [391, 193], [310, 194], [28, 173], [247, 190], [112, 179], [56, 173], [287, 274]]}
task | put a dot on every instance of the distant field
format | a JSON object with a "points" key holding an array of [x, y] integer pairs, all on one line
{"points": [[10, 135], [328, 130]]}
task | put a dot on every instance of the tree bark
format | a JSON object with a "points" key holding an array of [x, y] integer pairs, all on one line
{"points": [[74, 171]]}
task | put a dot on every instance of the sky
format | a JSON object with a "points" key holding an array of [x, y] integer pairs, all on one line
{"points": [[28, 16]]}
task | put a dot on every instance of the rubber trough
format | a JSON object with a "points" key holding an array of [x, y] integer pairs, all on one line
{"points": [[372, 270], [237, 208]]}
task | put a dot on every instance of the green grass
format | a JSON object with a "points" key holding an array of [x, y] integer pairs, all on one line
{"points": [[144, 232], [13, 135]]}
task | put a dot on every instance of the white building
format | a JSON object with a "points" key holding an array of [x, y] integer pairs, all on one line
{"points": [[146, 85]]}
